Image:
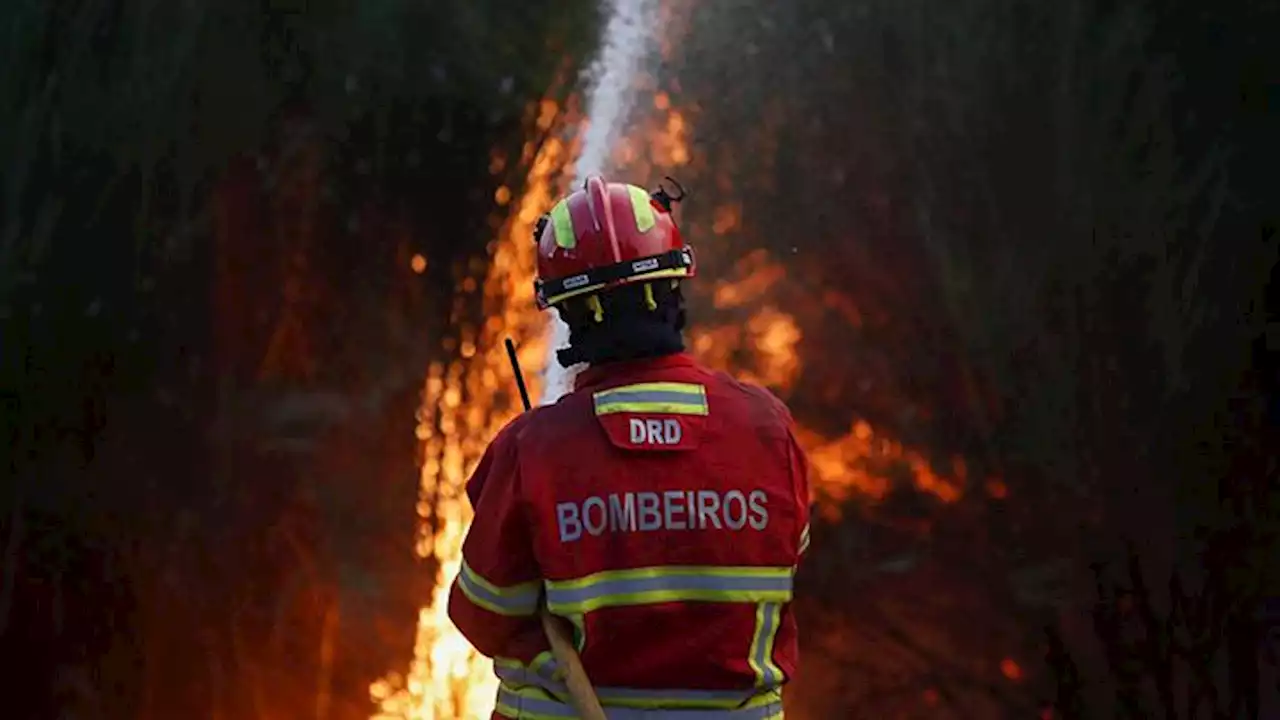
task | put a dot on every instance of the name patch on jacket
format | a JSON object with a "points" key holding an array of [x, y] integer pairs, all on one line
{"points": [[656, 416], [631, 512]]}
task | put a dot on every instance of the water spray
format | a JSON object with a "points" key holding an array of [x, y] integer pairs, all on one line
{"points": [[628, 40]]}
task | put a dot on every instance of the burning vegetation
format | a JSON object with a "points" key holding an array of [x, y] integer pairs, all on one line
{"points": [[465, 401]]}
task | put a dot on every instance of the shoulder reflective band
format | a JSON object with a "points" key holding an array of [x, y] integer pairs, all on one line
{"points": [[768, 618], [675, 263], [658, 397], [526, 707], [513, 600], [646, 586]]}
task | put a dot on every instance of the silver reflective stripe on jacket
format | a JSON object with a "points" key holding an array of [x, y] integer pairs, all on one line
{"points": [[678, 583], [514, 678], [512, 705]]}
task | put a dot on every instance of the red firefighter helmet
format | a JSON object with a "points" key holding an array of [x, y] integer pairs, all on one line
{"points": [[605, 235]]}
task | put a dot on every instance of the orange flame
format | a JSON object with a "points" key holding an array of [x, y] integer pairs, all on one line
{"points": [[764, 349], [464, 404]]}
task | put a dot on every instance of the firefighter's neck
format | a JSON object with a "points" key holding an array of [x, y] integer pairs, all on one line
{"points": [[606, 344], [597, 357], [605, 373]]}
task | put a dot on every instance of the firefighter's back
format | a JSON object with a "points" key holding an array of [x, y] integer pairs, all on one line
{"points": [[669, 508]]}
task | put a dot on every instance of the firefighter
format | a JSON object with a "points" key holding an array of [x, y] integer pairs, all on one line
{"points": [[659, 509]]}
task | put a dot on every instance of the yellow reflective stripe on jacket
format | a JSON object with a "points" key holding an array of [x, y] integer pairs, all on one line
{"points": [[768, 618], [655, 397], [579, 624], [513, 600], [541, 670], [645, 586], [537, 704], [526, 681], [544, 663], [515, 675]]}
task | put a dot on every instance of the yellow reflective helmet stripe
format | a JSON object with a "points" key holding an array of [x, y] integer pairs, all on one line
{"points": [[645, 218], [562, 225], [646, 586], [513, 600], [675, 398], [562, 221], [768, 618]]}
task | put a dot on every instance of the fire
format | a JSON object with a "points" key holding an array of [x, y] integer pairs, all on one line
{"points": [[858, 463], [464, 404], [758, 342], [761, 347]]}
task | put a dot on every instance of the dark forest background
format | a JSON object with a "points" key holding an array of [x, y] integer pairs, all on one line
{"points": [[1058, 219], [1056, 226], [214, 339]]}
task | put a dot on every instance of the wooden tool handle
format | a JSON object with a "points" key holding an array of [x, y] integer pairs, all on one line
{"points": [[581, 693]]}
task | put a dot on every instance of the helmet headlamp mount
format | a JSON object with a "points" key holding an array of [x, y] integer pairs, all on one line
{"points": [[666, 199]]}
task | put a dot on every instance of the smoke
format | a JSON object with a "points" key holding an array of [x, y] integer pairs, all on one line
{"points": [[628, 40]]}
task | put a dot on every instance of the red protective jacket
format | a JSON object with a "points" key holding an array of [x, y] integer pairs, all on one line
{"points": [[661, 509]]}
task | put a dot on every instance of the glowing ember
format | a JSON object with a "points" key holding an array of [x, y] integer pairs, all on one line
{"points": [[1010, 669], [997, 489]]}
